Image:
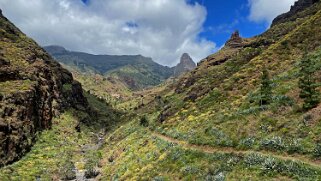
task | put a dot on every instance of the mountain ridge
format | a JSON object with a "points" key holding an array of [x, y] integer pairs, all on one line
{"points": [[115, 66]]}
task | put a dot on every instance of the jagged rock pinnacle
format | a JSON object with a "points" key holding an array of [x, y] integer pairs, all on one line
{"points": [[235, 41], [186, 64]]}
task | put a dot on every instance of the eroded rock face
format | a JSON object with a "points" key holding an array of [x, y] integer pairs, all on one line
{"points": [[299, 5], [235, 41], [186, 64], [33, 89]]}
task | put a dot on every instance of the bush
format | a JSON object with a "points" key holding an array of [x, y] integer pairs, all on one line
{"points": [[275, 143], [270, 164], [144, 121], [295, 147], [317, 150], [283, 100], [253, 159], [247, 143], [92, 164], [67, 169]]}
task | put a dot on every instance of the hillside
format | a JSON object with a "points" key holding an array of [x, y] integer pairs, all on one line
{"points": [[210, 125], [46, 119], [33, 89], [134, 71], [241, 114]]}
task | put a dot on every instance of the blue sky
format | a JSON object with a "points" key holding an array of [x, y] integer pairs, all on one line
{"points": [[160, 29], [226, 16]]}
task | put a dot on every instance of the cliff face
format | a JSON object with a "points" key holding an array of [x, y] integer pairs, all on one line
{"points": [[186, 64], [33, 89]]}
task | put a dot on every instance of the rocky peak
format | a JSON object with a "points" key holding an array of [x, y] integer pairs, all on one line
{"points": [[298, 6], [235, 41], [186, 64]]}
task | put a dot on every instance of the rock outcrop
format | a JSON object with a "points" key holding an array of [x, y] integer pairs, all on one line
{"points": [[33, 89], [235, 41], [186, 64], [299, 5]]}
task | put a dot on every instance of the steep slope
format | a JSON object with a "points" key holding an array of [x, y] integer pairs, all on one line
{"points": [[135, 71], [33, 89], [210, 125]]}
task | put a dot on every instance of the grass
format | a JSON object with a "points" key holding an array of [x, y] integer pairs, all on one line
{"points": [[215, 127], [59, 150], [9, 87], [229, 115], [132, 152], [49, 155]]}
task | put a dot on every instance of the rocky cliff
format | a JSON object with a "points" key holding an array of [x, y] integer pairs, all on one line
{"points": [[235, 41], [299, 6], [33, 89], [186, 64]]}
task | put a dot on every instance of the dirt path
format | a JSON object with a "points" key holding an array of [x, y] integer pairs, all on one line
{"points": [[210, 150]]}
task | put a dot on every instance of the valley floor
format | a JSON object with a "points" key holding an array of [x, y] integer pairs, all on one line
{"points": [[126, 150]]}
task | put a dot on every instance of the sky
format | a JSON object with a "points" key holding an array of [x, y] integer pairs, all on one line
{"points": [[160, 29]]}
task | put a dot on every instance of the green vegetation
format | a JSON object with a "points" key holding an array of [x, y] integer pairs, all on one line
{"points": [[8, 87], [265, 89], [208, 125], [143, 121], [135, 72], [308, 83], [61, 151], [53, 155]]}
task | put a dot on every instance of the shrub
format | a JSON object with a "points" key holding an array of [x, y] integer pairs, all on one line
{"points": [[143, 121], [294, 147], [274, 143], [92, 164], [253, 159], [266, 88], [67, 169], [283, 100], [270, 164], [317, 150], [158, 178], [247, 143]]}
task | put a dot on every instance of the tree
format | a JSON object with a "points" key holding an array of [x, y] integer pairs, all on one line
{"points": [[266, 88], [308, 83]]}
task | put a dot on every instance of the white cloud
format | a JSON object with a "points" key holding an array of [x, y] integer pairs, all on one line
{"points": [[267, 10], [161, 29]]}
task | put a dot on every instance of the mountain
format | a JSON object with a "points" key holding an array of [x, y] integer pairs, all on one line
{"points": [[33, 89], [241, 114], [186, 64], [212, 124], [135, 71]]}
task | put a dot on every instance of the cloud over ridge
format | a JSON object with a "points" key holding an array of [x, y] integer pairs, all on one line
{"points": [[161, 29], [267, 10]]}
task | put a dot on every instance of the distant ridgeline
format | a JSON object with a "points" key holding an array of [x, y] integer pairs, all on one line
{"points": [[135, 71]]}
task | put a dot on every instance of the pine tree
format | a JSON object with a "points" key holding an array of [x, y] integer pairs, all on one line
{"points": [[266, 88], [308, 83]]}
